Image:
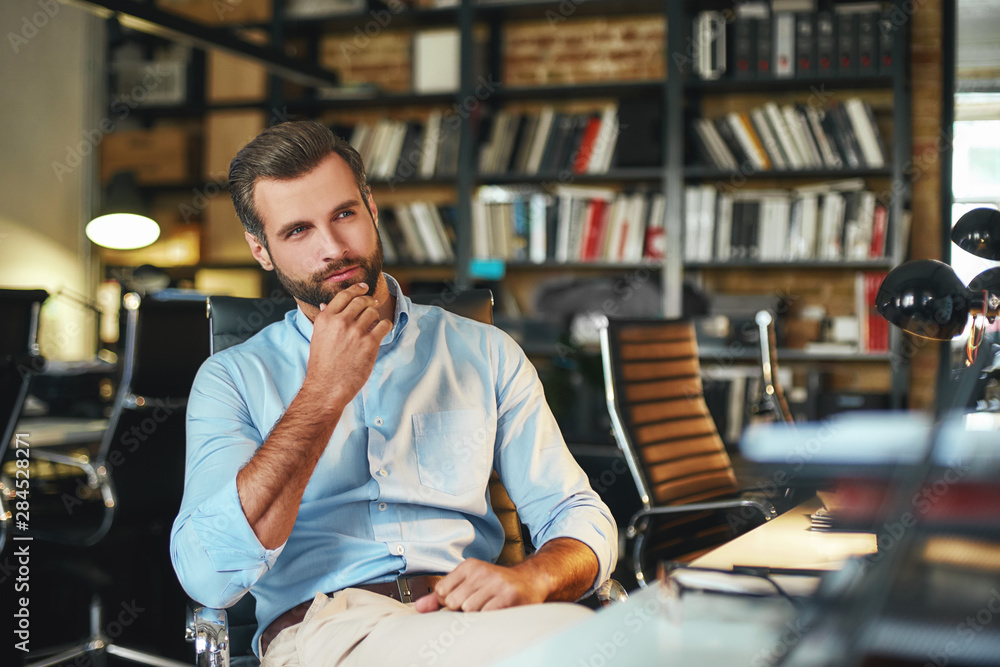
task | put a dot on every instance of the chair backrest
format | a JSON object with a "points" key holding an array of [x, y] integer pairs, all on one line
{"points": [[658, 410], [165, 342], [19, 360]]}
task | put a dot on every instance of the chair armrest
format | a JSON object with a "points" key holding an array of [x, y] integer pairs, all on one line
{"points": [[97, 478], [611, 592], [208, 630], [764, 507]]}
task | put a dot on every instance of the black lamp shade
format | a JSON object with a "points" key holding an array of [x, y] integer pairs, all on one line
{"points": [[988, 280], [978, 232], [925, 298]]}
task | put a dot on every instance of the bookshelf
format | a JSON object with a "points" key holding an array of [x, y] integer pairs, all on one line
{"points": [[812, 281], [679, 95]]}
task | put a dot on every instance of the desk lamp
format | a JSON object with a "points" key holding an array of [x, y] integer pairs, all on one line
{"points": [[122, 222], [926, 298]]}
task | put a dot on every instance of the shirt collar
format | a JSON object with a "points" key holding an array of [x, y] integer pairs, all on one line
{"points": [[399, 319]]}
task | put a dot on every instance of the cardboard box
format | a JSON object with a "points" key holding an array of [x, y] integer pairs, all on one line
{"points": [[219, 12], [222, 233], [159, 156], [230, 78], [226, 132]]}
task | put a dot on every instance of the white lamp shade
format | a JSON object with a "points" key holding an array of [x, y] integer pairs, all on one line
{"points": [[123, 231]]}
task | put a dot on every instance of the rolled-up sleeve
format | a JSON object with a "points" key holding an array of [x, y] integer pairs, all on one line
{"points": [[552, 493], [215, 553]]}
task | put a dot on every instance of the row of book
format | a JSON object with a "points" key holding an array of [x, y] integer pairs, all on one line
{"points": [[573, 224], [417, 233], [793, 137], [791, 39], [398, 150], [549, 142], [625, 134], [873, 329], [838, 220]]}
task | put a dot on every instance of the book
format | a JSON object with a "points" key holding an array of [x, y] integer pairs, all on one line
{"points": [[748, 139], [655, 241], [539, 140], [640, 133], [432, 138], [784, 45], [783, 134], [805, 45], [767, 138], [862, 121], [763, 38], [886, 36], [867, 53], [586, 146], [826, 44], [847, 42], [744, 50], [880, 225]]}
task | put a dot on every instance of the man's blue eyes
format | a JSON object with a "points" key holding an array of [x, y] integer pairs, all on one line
{"points": [[342, 214]]}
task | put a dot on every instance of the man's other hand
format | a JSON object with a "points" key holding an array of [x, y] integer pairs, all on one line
{"points": [[476, 585]]}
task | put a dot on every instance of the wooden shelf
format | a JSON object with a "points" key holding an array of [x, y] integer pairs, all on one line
{"points": [[856, 264]]}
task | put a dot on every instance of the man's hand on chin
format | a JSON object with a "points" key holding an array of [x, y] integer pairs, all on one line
{"points": [[476, 585]]}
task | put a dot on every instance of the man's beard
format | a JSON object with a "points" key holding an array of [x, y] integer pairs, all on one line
{"points": [[315, 290]]}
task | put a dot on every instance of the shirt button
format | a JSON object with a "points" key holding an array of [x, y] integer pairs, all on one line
{"points": [[378, 421], [382, 507], [399, 549], [383, 472]]}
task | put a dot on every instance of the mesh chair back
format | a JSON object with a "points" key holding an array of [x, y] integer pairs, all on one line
{"points": [[18, 354]]}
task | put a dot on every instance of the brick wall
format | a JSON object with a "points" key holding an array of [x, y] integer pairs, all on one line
{"points": [[585, 50], [382, 59]]}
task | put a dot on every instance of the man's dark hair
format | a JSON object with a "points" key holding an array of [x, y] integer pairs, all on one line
{"points": [[286, 151]]}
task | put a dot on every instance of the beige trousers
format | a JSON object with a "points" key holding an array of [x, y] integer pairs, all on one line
{"points": [[359, 628]]}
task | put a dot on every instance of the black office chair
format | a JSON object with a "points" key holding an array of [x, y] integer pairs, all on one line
{"points": [[680, 466], [138, 471], [220, 633], [19, 361]]}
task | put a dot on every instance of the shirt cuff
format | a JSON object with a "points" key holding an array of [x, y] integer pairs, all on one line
{"points": [[603, 542], [229, 541]]}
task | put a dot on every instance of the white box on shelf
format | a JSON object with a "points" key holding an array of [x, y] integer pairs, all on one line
{"points": [[436, 60]]}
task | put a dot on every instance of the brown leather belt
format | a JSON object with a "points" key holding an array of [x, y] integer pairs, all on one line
{"points": [[405, 589]]}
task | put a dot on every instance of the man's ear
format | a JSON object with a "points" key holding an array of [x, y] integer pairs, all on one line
{"points": [[259, 252], [374, 209]]}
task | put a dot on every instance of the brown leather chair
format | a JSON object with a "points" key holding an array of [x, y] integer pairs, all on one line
{"points": [[662, 424]]}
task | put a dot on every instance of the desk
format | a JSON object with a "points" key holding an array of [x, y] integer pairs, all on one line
{"points": [[655, 627], [787, 542]]}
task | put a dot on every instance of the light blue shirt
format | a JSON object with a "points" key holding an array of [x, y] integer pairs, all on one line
{"points": [[401, 487]]}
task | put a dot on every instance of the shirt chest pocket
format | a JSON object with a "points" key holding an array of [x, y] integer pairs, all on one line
{"points": [[454, 450]]}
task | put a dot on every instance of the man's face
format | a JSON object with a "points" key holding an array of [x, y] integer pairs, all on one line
{"points": [[321, 238]]}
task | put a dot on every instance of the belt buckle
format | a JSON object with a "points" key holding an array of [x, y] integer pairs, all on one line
{"points": [[404, 589]]}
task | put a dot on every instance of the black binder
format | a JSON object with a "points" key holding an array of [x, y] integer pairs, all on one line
{"points": [[805, 45], [764, 39], [847, 44], [886, 36], [744, 53], [826, 44], [868, 44]]}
